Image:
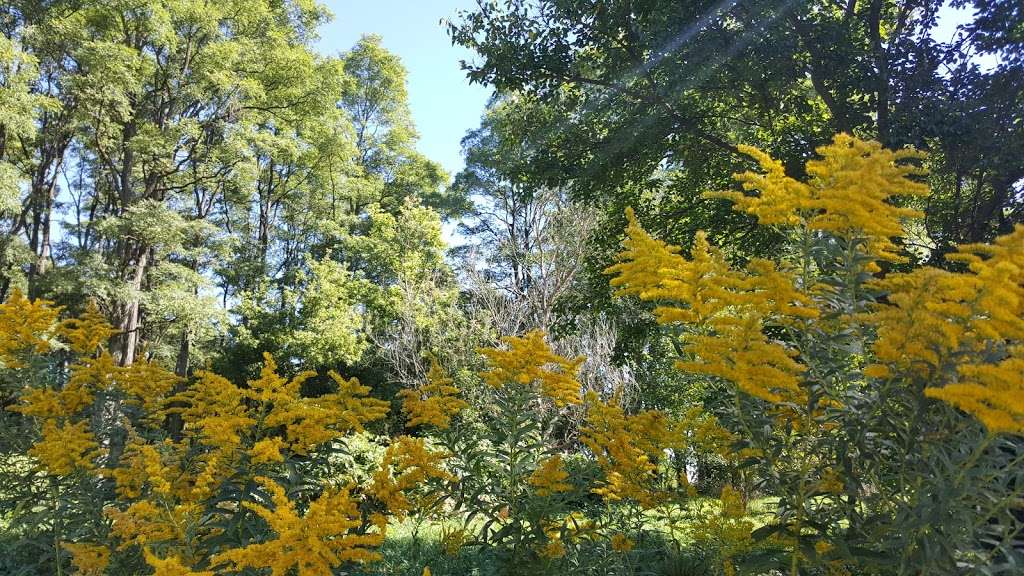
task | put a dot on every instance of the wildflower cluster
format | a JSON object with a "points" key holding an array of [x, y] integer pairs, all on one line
{"points": [[312, 544], [88, 559], [823, 349], [27, 328], [969, 323], [407, 464], [188, 459], [627, 447], [530, 361], [550, 476], [728, 528], [849, 193], [726, 311], [435, 403], [503, 465]]}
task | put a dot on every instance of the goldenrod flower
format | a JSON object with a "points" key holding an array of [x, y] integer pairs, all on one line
{"points": [[143, 465], [267, 450], [992, 393], [433, 404], [145, 522], [215, 410], [934, 320], [530, 361], [313, 544], [740, 352], [627, 447], [310, 422], [406, 464], [452, 541], [734, 505], [46, 403], [550, 476], [89, 331], [849, 193], [101, 372], [553, 549], [65, 448], [729, 529], [622, 543], [148, 385], [88, 559], [170, 566], [725, 310], [216, 469], [25, 326]]}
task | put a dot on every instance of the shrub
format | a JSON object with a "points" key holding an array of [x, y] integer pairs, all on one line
{"points": [[127, 466], [882, 403]]}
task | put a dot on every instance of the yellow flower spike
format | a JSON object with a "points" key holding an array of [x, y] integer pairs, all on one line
{"points": [[740, 352], [46, 403], [733, 503], [426, 571], [267, 450], [170, 566], [999, 268], [311, 422], [89, 331], [926, 316], [781, 200], [550, 476], [849, 193], [935, 318], [726, 310], [453, 540], [148, 386], [621, 543], [351, 404], [529, 360], [626, 447], [88, 559], [143, 464], [855, 181], [433, 404], [728, 529], [214, 408], [215, 470], [67, 448], [310, 545], [774, 293], [553, 549], [644, 263], [992, 393], [144, 522], [25, 326], [406, 464], [99, 373]]}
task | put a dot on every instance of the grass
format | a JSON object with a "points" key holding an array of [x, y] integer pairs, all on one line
{"points": [[412, 545]]}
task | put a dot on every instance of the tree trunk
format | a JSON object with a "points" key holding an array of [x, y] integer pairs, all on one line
{"points": [[132, 318], [882, 71]]}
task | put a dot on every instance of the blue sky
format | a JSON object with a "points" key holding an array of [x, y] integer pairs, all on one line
{"points": [[444, 105]]}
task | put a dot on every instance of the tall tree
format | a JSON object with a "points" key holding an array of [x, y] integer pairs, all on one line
{"points": [[377, 104], [527, 241], [203, 171], [660, 86]]}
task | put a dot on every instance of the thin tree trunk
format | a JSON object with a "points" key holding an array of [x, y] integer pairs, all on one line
{"points": [[132, 319]]}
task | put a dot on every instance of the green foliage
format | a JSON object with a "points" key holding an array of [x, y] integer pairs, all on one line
{"points": [[199, 176]]}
